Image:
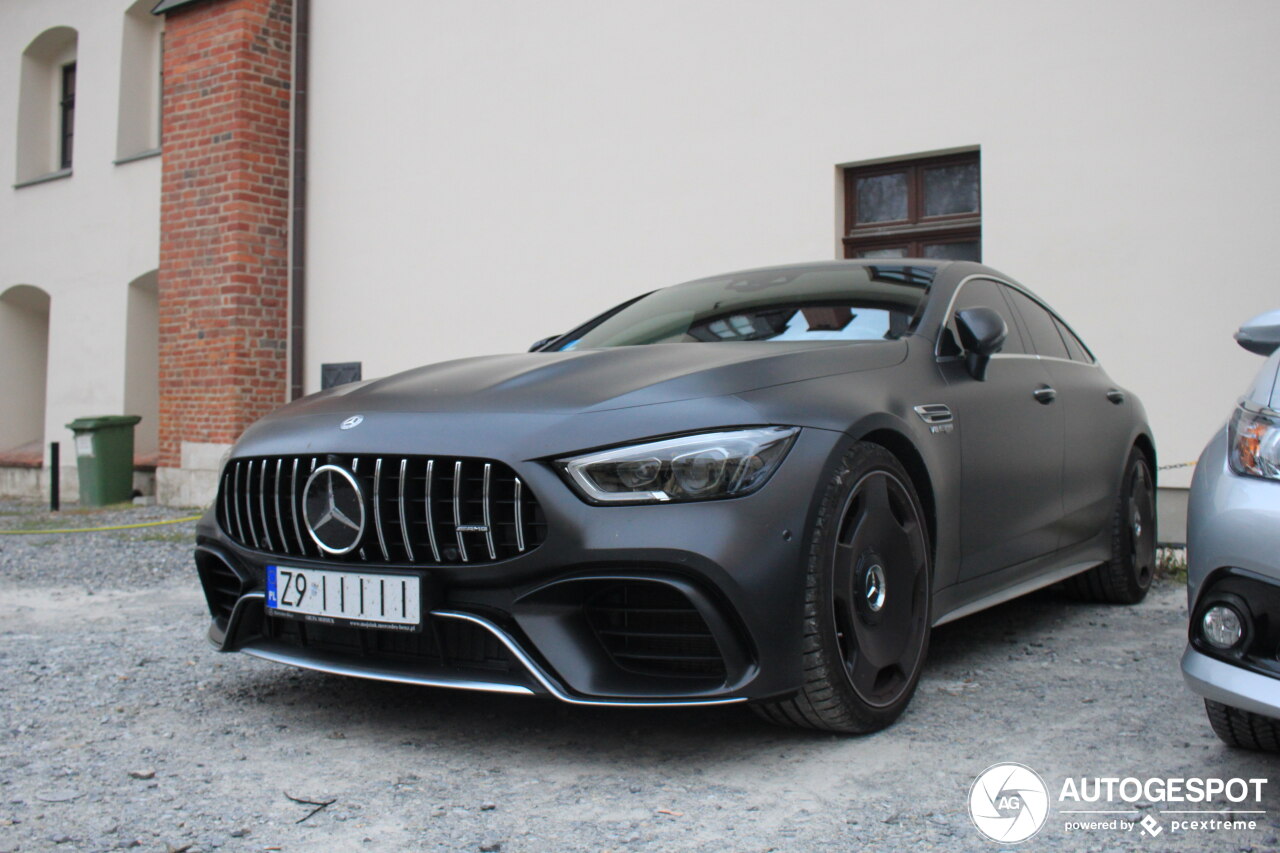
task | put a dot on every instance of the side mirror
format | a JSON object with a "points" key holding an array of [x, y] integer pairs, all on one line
{"points": [[1261, 335], [537, 345], [982, 333]]}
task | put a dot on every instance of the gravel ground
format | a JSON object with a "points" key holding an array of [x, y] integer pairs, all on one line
{"points": [[123, 728]]}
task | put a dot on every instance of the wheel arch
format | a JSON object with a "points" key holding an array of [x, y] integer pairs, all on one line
{"points": [[905, 451], [1148, 447]]}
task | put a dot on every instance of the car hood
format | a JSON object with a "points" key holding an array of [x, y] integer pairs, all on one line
{"points": [[600, 379], [532, 404]]}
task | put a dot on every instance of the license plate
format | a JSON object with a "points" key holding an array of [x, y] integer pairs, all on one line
{"points": [[391, 602]]}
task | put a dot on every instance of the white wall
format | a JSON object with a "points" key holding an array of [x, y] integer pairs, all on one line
{"points": [[484, 174], [142, 363], [84, 238], [24, 350]]}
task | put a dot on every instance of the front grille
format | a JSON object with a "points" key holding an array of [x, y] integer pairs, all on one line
{"points": [[419, 510], [443, 643], [653, 629]]}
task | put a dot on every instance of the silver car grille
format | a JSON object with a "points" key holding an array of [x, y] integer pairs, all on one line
{"points": [[419, 510]]}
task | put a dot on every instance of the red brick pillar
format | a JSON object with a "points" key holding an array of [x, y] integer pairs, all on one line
{"points": [[224, 216]]}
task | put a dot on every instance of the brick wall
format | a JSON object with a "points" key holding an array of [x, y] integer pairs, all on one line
{"points": [[223, 281]]}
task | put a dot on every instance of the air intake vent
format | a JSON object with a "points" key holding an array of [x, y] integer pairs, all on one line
{"points": [[222, 587], [653, 629], [413, 510]]}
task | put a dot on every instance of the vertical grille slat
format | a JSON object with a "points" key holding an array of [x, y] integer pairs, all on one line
{"points": [[236, 500], [284, 542], [431, 522], [404, 524], [248, 504], [457, 509], [488, 516], [519, 497], [294, 494], [262, 506], [377, 507]]}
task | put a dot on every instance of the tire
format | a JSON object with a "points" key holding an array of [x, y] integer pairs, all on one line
{"points": [[1244, 729], [867, 600], [1126, 577]]}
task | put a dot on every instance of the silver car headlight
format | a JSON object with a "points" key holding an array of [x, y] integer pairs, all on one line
{"points": [[688, 468], [1253, 442]]}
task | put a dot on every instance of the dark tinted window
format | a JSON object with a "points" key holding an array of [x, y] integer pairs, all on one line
{"points": [[822, 303], [1076, 347], [1039, 324], [981, 293]]}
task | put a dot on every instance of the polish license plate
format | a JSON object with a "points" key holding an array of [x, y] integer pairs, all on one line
{"points": [[389, 602]]}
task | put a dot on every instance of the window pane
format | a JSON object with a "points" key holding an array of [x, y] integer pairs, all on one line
{"points": [[882, 198], [1074, 345], [862, 302], [968, 250], [951, 189], [1040, 325], [895, 252], [980, 293]]}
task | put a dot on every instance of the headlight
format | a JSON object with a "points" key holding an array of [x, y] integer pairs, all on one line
{"points": [[1254, 442], [688, 468]]}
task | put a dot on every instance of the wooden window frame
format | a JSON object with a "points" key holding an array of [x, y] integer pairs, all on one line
{"points": [[917, 230]]}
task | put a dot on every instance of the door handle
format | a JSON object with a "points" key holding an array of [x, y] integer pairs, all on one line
{"points": [[1045, 395], [1116, 396]]}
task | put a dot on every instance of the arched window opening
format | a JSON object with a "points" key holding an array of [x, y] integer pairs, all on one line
{"points": [[24, 352], [138, 125], [142, 365], [47, 105]]}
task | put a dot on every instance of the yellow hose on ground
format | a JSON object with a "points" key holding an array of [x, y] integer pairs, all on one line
{"points": [[99, 529]]}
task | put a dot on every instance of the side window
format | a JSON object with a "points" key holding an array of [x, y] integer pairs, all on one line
{"points": [[981, 293], [1077, 349], [1039, 324]]}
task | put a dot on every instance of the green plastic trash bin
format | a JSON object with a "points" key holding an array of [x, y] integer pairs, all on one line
{"points": [[104, 458]]}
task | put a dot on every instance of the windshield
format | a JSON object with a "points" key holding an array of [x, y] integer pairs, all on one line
{"points": [[819, 303]]}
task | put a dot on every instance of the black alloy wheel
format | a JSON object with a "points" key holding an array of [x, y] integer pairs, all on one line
{"points": [[867, 609], [1126, 577]]}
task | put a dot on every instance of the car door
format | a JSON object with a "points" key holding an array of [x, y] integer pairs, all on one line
{"points": [[1096, 416], [1011, 436]]}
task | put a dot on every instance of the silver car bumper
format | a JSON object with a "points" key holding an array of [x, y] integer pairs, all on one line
{"points": [[1233, 528], [1230, 684]]}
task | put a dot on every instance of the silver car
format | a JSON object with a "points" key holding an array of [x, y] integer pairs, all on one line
{"points": [[1233, 554]]}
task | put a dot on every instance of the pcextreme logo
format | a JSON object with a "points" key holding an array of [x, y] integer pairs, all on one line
{"points": [[1009, 803]]}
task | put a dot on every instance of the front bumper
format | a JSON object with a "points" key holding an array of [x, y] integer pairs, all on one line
{"points": [[1232, 551], [1230, 684], [521, 625]]}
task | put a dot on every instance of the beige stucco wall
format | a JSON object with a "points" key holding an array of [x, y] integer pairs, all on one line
{"points": [[483, 175], [84, 238]]}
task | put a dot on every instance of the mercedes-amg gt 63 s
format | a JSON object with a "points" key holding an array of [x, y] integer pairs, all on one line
{"points": [[762, 487]]}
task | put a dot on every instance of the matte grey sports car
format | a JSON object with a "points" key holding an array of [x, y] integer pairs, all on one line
{"points": [[1233, 560], [765, 487]]}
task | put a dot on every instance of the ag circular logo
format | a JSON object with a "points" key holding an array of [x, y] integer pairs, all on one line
{"points": [[352, 422], [1008, 802], [333, 509]]}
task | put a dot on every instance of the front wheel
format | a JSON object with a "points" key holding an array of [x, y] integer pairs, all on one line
{"points": [[1244, 729], [1126, 577], [867, 600]]}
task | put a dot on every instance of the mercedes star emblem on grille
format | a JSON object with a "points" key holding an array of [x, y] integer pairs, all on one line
{"points": [[352, 422], [333, 508]]}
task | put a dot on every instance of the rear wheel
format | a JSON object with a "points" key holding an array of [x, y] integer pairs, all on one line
{"points": [[1126, 577], [1243, 728], [867, 600]]}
